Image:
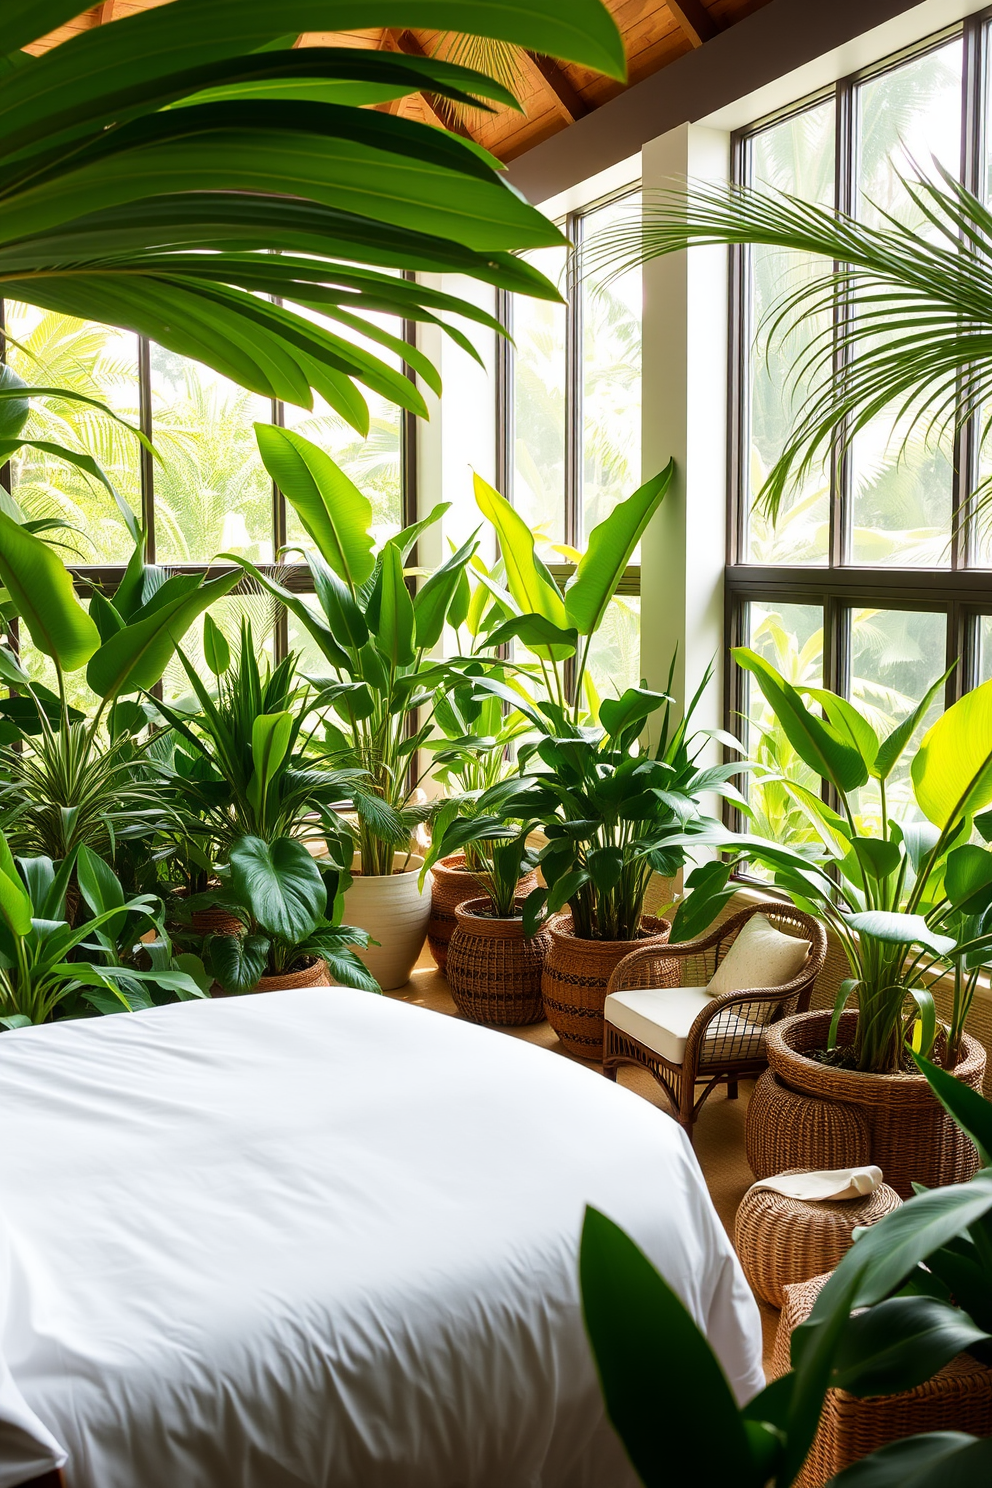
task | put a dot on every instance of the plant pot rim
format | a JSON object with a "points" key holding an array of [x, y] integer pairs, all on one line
{"points": [[651, 927], [782, 1053], [414, 863], [475, 909]]}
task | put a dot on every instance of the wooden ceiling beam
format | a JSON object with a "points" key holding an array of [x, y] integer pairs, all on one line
{"points": [[695, 20], [105, 12], [393, 40], [568, 101]]}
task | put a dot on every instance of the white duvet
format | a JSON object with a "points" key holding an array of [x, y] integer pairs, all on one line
{"points": [[328, 1239]]}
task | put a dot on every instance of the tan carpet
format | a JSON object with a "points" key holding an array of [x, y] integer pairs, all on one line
{"points": [[719, 1134]]}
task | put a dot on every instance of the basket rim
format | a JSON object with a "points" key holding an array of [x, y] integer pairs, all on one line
{"points": [[783, 1054], [653, 927]]}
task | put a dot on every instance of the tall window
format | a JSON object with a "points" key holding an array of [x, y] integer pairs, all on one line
{"points": [[206, 491], [864, 585], [570, 421]]}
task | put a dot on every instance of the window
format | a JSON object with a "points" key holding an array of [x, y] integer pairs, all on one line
{"points": [[208, 491], [864, 585], [569, 421]]}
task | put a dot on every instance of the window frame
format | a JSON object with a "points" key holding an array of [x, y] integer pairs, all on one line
{"points": [[573, 227], [961, 591]]}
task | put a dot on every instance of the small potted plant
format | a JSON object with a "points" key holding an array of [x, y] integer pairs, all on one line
{"points": [[494, 964], [278, 894]]}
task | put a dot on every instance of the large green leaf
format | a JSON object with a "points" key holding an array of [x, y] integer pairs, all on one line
{"points": [[13, 411], [939, 1459], [610, 548], [649, 1351], [271, 736], [22, 21], [395, 630], [815, 741], [900, 1344], [968, 878], [895, 928], [332, 509], [971, 1111], [527, 579], [280, 884], [135, 658], [43, 595], [952, 769], [434, 598]]}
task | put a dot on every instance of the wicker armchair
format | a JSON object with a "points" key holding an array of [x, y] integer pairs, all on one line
{"points": [[719, 1039]]}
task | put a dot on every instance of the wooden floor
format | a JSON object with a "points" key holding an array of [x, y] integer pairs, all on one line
{"points": [[719, 1134]]}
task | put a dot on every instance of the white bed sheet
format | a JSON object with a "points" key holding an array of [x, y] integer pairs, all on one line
{"points": [[325, 1238]]}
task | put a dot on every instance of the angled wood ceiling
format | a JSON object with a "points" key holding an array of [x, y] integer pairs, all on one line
{"points": [[553, 95]]}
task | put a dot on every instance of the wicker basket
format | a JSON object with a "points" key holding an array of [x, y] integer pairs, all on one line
{"points": [[453, 884], [912, 1137], [494, 970], [314, 975], [785, 1131], [576, 974], [212, 921], [957, 1398], [781, 1241]]}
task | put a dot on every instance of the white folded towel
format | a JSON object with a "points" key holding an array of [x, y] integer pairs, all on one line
{"points": [[835, 1183]]}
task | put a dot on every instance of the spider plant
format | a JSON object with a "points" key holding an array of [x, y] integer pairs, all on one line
{"points": [[914, 308]]}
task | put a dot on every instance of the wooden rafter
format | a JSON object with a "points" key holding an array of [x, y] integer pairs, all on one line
{"points": [[105, 12], [568, 101], [694, 19], [404, 41]]}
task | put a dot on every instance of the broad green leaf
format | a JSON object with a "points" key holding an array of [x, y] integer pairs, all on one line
{"points": [[538, 634], [815, 741], [631, 708], [332, 509], [968, 878], [14, 411], [898, 929], [971, 1111], [938, 1459], [433, 600], [135, 658], [341, 609], [952, 770], [900, 1344], [43, 595], [877, 857], [216, 651], [611, 545], [280, 884], [648, 1350], [271, 734], [891, 748], [238, 961], [395, 629], [15, 906], [848, 723], [526, 579], [100, 888]]}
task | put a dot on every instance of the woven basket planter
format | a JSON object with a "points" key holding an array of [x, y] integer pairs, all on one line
{"points": [[576, 974], [212, 921], [314, 975], [785, 1130], [494, 970], [912, 1137], [453, 884], [781, 1241], [957, 1398]]}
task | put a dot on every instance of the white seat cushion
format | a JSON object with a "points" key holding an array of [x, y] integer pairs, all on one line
{"points": [[661, 1017]]}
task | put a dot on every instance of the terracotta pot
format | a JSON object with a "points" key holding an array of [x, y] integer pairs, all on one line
{"points": [[314, 975], [576, 973], [494, 970], [453, 884], [394, 911], [911, 1136]]}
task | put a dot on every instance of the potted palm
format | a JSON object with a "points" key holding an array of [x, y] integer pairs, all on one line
{"points": [[376, 639], [276, 890], [906, 899]]}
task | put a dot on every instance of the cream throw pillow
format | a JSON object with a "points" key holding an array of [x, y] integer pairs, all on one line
{"points": [[761, 956]]}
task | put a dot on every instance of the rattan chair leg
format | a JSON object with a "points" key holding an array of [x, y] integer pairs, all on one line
{"points": [[732, 1090]]}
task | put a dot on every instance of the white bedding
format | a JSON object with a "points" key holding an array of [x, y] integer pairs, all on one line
{"points": [[325, 1238]]}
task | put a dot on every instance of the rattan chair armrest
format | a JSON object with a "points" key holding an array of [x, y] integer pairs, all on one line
{"points": [[727, 1000]]}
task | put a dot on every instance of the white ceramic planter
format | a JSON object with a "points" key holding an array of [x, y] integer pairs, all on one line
{"points": [[395, 913]]}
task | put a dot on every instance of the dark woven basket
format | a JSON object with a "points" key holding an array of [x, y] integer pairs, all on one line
{"points": [[786, 1130], [452, 885], [912, 1137], [307, 976], [494, 970], [576, 975], [957, 1398]]}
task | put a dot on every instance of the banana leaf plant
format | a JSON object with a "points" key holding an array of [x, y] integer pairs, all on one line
{"points": [[885, 1322], [143, 170], [277, 890], [373, 635], [50, 968], [891, 895]]}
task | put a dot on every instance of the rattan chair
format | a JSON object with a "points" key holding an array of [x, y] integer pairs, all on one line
{"points": [[726, 1037]]}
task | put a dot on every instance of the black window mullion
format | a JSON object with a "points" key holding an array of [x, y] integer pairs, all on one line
{"points": [[973, 126], [573, 388], [146, 462], [845, 195]]}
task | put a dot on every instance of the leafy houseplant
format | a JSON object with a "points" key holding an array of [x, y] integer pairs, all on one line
{"points": [[902, 1271], [276, 889], [375, 638]]}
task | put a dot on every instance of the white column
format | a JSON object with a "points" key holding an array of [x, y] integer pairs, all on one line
{"points": [[684, 401]]}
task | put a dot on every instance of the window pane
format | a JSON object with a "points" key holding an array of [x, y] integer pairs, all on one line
{"points": [[615, 654], [375, 463], [101, 362], [212, 492], [611, 379], [790, 636], [901, 492], [796, 156], [984, 648], [896, 655], [538, 329]]}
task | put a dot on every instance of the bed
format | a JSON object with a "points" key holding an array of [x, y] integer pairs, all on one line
{"points": [[322, 1238]]}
